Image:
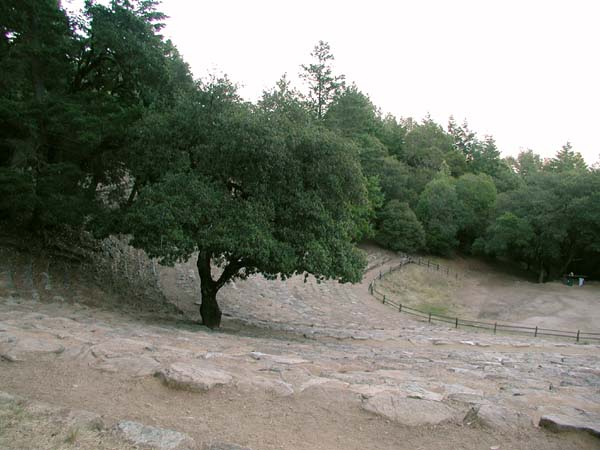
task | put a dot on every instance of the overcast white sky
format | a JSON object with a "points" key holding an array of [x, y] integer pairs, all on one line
{"points": [[527, 72]]}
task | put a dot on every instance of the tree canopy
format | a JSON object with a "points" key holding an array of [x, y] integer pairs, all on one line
{"points": [[399, 229], [104, 129], [247, 193], [550, 224], [72, 88]]}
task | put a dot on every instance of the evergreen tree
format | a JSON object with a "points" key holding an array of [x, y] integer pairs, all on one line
{"points": [[566, 160], [323, 85]]}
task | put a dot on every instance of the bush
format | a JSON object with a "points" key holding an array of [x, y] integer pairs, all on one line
{"points": [[399, 229]]}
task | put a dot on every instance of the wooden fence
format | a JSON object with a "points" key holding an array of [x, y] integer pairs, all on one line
{"points": [[456, 322], [423, 262]]}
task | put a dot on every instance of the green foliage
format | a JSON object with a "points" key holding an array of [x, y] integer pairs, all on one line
{"points": [[376, 200], [455, 211], [509, 236], [59, 198], [122, 55], [267, 199], [17, 197], [527, 163], [71, 90], [566, 160], [479, 156], [36, 46], [439, 210], [323, 85], [352, 114], [477, 195], [392, 134], [464, 140], [457, 165], [399, 229], [426, 144], [102, 127], [284, 103], [506, 179], [393, 175], [549, 224], [487, 158]]}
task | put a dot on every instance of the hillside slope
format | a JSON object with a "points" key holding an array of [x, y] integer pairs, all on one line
{"points": [[296, 366], [482, 291]]}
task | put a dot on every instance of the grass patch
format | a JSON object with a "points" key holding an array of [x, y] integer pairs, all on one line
{"points": [[11, 413], [72, 436], [24, 428], [426, 290], [439, 310]]}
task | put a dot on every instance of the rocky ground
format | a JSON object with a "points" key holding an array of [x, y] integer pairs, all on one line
{"points": [[296, 366]]}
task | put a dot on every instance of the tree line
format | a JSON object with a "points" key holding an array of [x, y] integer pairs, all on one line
{"points": [[103, 128]]}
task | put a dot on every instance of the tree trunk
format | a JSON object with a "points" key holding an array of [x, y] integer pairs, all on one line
{"points": [[542, 274], [567, 263], [209, 308]]}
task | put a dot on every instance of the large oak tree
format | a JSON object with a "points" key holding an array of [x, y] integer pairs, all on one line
{"points": [[247, 193]]}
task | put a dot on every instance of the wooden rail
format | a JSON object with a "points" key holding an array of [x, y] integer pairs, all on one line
{"points": [[457, 322]]}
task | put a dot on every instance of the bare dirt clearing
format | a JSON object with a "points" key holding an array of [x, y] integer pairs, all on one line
{"points": [[296, 366], [482, 292]]}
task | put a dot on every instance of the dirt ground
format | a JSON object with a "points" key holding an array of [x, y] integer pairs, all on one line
{"points": [[260, 421], [486, 292], [58, 350]]}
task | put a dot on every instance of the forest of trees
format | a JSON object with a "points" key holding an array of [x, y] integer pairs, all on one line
{"points": [[103, 129]]}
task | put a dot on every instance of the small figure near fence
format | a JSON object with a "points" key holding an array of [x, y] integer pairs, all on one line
{"points": [[572, 279]]}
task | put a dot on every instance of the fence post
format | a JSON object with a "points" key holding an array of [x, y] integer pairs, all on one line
{"points": [[428, 264], [438, 267], [456, 323], [384, 299], [400, 308], [577, 335], [495, 325], [535, 334], [429, 317], [380, 274]]}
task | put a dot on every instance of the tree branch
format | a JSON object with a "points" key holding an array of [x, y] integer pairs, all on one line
{"points": [[132, 195], [229, 272]]}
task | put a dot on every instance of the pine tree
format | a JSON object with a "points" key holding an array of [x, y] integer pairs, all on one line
{"points": [[323, 85]]}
